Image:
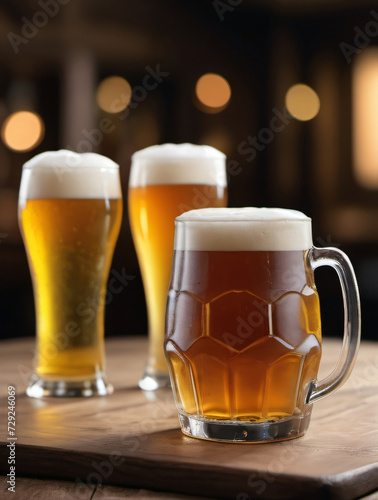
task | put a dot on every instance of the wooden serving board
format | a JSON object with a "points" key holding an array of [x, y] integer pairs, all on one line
{"points": [[133, 439]]}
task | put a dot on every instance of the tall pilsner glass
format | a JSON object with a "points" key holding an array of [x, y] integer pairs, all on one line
{"points": [[70, 211], [243, 323], [165, 181]]}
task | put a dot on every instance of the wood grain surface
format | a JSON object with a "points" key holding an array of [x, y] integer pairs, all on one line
{"points": [[132, 439], [52, 489]]}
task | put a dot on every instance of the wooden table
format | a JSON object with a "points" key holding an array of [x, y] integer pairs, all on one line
{"points": [[128, 444]]}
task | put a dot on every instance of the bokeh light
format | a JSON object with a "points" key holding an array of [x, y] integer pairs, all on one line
{"points": [[302, 102], [213, 92], [113, 94], [365, 117], [23, 131]]}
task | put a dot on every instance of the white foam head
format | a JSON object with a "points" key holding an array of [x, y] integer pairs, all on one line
{"points": [[178, 164], [65, 174], [241, 229]]}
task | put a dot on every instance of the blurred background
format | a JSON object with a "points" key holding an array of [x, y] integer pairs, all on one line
{"points": [[287, 89]]}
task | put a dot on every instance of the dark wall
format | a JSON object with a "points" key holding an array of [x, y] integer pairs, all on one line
{"points": [[261, 52]]}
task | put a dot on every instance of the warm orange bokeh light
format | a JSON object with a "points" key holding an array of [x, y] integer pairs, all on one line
{"points": [[113, 94], [23, 131], [302, 102], [365, 117], [213, 92]]}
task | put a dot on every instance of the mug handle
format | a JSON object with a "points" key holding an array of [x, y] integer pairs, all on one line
{"points": [[352, 320]]}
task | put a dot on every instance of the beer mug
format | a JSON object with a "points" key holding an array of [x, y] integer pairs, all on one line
{"points": [[243, 338], [70, 211], [165, 181]]}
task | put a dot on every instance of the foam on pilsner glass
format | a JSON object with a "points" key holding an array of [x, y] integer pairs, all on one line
{"points": [[178, 164], [243, 229], [65, 174]]}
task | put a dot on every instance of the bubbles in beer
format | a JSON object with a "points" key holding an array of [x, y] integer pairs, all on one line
{"points": [[243, 333], [165, 181]]}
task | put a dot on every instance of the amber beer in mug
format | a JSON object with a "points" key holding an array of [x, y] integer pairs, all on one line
{"points": [[165, 181], [70, 211], [243, 339]]}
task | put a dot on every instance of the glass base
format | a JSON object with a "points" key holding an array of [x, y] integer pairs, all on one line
{"points": [[154, 379], [243, 431], [39, 388]]}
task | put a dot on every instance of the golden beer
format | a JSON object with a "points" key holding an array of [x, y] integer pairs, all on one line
{"points": [[243, 332], [70, 220], [166, 181], [68, 242]]}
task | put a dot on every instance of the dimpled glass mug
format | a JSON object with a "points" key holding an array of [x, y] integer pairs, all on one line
{"points": [[243, 336]]}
